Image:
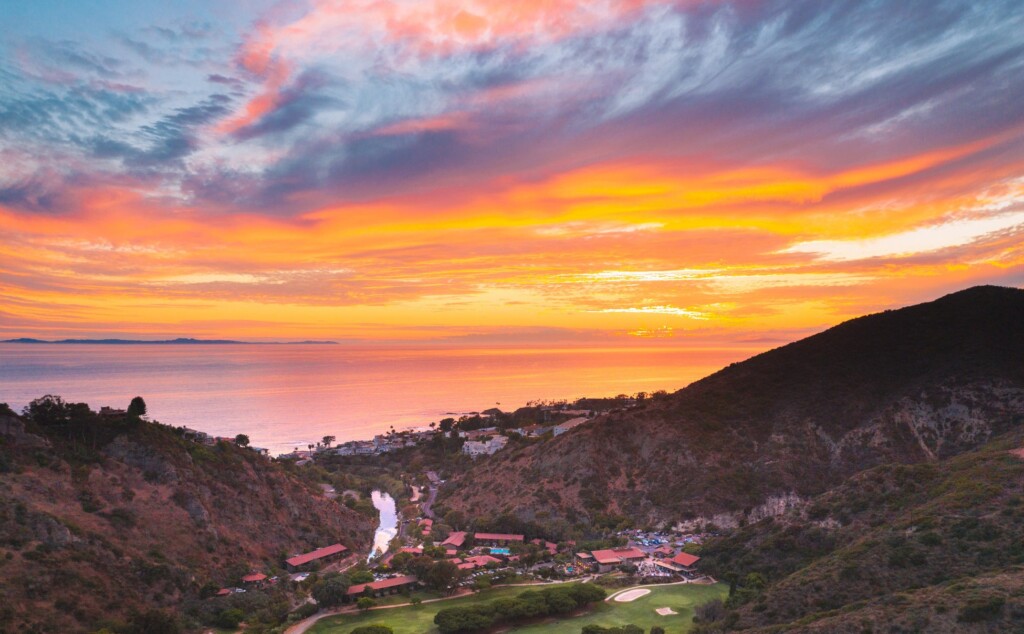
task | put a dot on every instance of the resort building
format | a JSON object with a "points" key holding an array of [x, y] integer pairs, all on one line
{"points": [[455, 539], [382, 587], [497, 539], [608, 559], [327, 553], [681, 563]]}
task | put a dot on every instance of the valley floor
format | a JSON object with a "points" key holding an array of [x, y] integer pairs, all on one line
{"points": [[681, 598]]}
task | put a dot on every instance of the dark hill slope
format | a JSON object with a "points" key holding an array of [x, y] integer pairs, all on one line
{"points": [[908, 385], [99, 518], [932, 547]]}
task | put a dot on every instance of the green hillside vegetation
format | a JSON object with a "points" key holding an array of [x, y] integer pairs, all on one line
{"points": [[930, 547]]}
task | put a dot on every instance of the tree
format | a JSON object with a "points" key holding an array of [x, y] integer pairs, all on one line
{"points": [[48, 410], [360, 576], [137, 407], [154, 622], [657, 629], [365, 603], [330, 591], [442, 576], [328, 440], [242, 440]]}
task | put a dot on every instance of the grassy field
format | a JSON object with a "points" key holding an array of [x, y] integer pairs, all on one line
{"points": [[420, 619]]}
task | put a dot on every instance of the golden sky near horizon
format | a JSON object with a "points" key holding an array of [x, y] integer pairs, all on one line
{"points": [[543, 172]]}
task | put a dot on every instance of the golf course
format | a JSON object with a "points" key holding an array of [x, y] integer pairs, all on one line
{"points": [[641, 610]]}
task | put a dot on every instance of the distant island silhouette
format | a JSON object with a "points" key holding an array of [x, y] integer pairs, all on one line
{"points": [[178, 341]]}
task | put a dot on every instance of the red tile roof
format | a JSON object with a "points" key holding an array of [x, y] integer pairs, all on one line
{"points": [[416, 551], [685, 559], [457, 539], [383, 584], [254, 578], [500, 537], [223, 592], [617, 555], [319, 553], [478, 561]]}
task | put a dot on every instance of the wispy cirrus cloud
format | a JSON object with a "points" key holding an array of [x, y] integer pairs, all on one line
{"points": [[612, 166]]}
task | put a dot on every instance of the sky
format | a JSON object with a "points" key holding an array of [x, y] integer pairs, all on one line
{"points": [[532, 172]]}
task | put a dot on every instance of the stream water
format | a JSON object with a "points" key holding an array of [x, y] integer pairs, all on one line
{"points": [[388, 527]]}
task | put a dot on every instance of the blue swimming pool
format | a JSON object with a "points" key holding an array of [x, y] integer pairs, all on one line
{"points": [[501, 551]]}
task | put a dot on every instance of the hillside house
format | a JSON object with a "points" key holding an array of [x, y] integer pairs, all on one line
{"points": [[426, 525], [474, 448], [256, 580], [572, 423], [320, 555]]}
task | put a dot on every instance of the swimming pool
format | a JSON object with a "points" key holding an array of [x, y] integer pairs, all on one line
{"points": [[501, 551]]}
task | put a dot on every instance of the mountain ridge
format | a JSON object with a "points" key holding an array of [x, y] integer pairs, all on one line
{"points": [[917, 383]]}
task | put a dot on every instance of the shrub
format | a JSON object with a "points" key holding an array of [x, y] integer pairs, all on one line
{"points": [[981, 609]]}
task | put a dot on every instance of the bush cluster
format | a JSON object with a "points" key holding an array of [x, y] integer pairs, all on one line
{"points": [[529, 604]]}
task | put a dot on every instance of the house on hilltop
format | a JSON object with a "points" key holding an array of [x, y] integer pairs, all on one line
{"points": [[572, 423]]}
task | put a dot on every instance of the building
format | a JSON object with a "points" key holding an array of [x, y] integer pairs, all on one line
{"points": [[112, 413], [561, 428], [479, 561], [327, 553], [551, 547], [610, 558], [426, 525], [586, 560], [474, 448], [382, 587], [664, 551], [256, 579], [683, 562], [497, 539], [455, 539]]}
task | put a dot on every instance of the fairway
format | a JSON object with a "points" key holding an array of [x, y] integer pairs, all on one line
{"points": [[641, 611]]}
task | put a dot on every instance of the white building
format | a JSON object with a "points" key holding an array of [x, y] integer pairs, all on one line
{"points": [[476, 448]]}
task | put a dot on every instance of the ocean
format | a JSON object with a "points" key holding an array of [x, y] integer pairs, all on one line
{"points": [[285, 396]]}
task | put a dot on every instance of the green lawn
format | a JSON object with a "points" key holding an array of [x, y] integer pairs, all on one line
{"points": [[420, 619]]}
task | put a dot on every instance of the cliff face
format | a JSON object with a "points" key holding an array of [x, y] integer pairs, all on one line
{"points": [[917, 384], [937, 546], [95, 523]]}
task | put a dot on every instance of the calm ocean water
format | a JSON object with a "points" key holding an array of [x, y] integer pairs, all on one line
{"points": [[285, 396]]}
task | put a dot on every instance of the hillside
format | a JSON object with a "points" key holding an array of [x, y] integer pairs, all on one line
{"points": [[936, 547], [102, 517], [905, 386]]}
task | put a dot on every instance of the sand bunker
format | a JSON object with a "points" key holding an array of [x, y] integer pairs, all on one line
{"points": [[632, 595], [666, 611]]}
